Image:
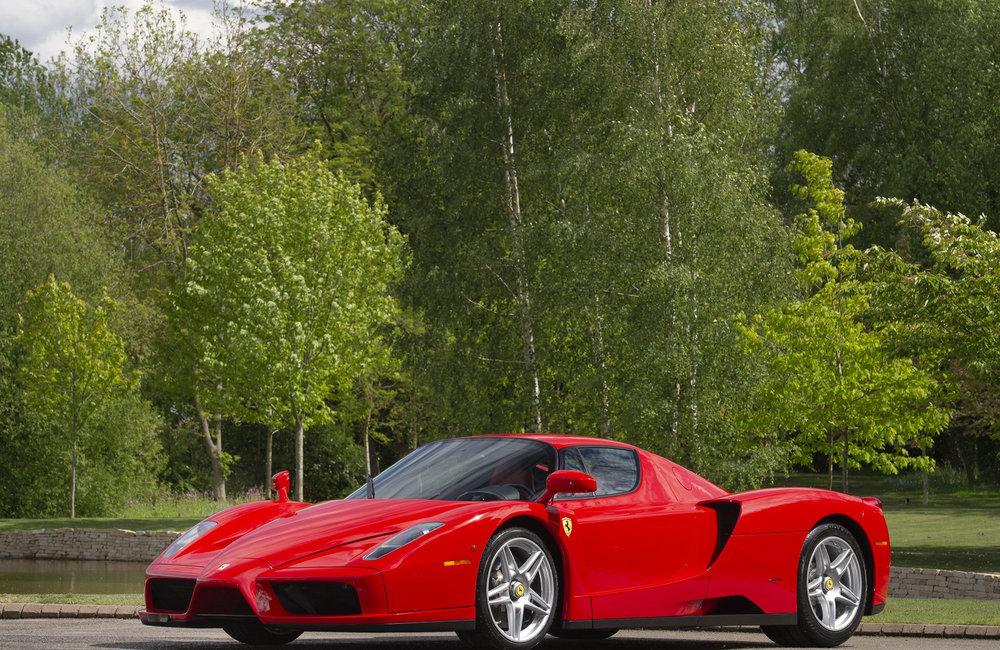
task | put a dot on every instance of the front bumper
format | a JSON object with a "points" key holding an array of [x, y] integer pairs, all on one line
{"points": [[252, 594]]}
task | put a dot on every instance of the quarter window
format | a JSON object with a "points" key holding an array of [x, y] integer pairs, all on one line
{"points": [[615, 469]]}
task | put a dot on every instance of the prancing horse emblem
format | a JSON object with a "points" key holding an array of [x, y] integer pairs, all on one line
{"points": [[567, 525]]}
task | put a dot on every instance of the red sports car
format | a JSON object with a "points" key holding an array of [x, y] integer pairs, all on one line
{"points": [[504, 539]]}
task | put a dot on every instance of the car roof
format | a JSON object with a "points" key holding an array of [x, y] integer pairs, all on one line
{"points": [[560, 440]]}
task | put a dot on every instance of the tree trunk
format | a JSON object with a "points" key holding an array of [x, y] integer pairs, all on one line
{"points": [[844, 470], [369, 486], [829, 461], [214, 456], [73, 460], [515, 224], [925, 497], [214, 448], [269, 462], [221, 490], [602, 371], [299, 458]]}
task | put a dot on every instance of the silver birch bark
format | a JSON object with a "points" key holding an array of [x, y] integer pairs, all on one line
{"points": [[516, 226]]}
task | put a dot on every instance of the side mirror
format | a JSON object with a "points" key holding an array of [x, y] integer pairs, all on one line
{"points": [[282, 483], [567, 481]]}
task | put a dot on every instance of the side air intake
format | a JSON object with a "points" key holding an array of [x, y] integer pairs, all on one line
{"points": [[727, 513]]}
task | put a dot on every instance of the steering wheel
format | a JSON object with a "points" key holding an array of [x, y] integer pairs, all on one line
{"points": [[523, 491]]}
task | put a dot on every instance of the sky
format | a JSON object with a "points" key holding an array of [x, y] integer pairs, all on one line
{"points": [[40, 25]]}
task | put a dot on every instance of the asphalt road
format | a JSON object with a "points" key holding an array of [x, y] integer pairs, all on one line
{"points": [[131, 635]]}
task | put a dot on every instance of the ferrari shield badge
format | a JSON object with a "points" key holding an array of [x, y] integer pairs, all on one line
{"points": [[567, 525]]}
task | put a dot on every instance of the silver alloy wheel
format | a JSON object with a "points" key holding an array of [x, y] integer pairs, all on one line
{"points": [[835, 584], [522, 590]]}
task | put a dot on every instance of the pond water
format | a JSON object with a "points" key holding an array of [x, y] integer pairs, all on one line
{"points": [[71, 577]]}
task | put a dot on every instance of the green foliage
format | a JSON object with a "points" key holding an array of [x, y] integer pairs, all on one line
{"points": [[943, 287], [901, 94], [47, 225], [287, 290], [72, 373], [832, 380], [24, 82]]}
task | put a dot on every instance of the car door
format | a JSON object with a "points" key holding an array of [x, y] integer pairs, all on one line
{"points": [[636, 546]]}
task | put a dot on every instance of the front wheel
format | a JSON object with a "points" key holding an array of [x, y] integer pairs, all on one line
{"points": [[255, 633], [832, 591], [516, 592]]}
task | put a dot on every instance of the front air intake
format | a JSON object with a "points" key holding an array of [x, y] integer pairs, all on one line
{"points": [[170, 594], [221, 601], [317, 598]]}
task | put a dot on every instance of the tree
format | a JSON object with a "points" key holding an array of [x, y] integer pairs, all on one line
{"points": [[72, 364], [149, 111], [288, 289], [833, 380], [345, 60], [941, 285], [901, 94], [48, 225], [24, 81], [552, 143]]}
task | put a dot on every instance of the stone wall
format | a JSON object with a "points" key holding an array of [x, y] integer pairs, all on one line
{"points": [[905, 582], [85, 544]]}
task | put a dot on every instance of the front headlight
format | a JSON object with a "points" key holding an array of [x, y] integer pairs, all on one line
{"points": [[185, 540], [411, 534]]}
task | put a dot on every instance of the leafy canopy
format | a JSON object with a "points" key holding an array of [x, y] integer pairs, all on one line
{"points": [[287, 288], [832, 380]]}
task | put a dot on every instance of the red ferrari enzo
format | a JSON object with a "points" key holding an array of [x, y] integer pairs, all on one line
{"points": [[504, 539]]}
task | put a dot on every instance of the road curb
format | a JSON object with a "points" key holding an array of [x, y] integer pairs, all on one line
{"points": [[909, 629], [920, 629], [37, 610]]}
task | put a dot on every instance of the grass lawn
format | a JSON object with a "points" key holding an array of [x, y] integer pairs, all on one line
{"points": [[959, 529], [171, 513], [135, 600], [945, 612], [164, 523]]}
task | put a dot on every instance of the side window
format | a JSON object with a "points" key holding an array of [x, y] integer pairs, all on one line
{"points": [[615, 469]]}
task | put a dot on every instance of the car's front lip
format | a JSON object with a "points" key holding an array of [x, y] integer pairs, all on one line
{"points": [[367, 582]]}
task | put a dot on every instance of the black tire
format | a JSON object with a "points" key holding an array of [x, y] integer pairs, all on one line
{"points": [[583, 635], [255, 633], [809, 632], [486, 634]]}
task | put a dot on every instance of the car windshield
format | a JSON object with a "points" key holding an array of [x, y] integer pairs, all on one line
{"points": [[468, 469]]}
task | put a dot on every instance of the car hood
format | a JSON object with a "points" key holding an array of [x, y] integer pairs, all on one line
{"points": [[335, 523]]}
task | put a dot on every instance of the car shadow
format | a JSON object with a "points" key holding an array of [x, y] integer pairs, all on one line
{"points": [[442, 643]]}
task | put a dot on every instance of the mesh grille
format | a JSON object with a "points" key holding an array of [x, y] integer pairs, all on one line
{"points": [[318, 598], [171, 594]]}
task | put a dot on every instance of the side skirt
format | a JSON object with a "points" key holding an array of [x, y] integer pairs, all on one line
{"points": [[432, 626], [718, 620]]}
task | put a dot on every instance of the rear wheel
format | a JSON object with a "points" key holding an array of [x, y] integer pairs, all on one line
{"points": [[255, 633], [516, 592], [831, 593]]}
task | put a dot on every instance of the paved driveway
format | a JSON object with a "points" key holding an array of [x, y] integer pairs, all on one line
{"points": [[127, 634]]}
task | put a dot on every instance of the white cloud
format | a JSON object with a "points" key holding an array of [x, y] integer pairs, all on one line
{"points": [[40, 25]]}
